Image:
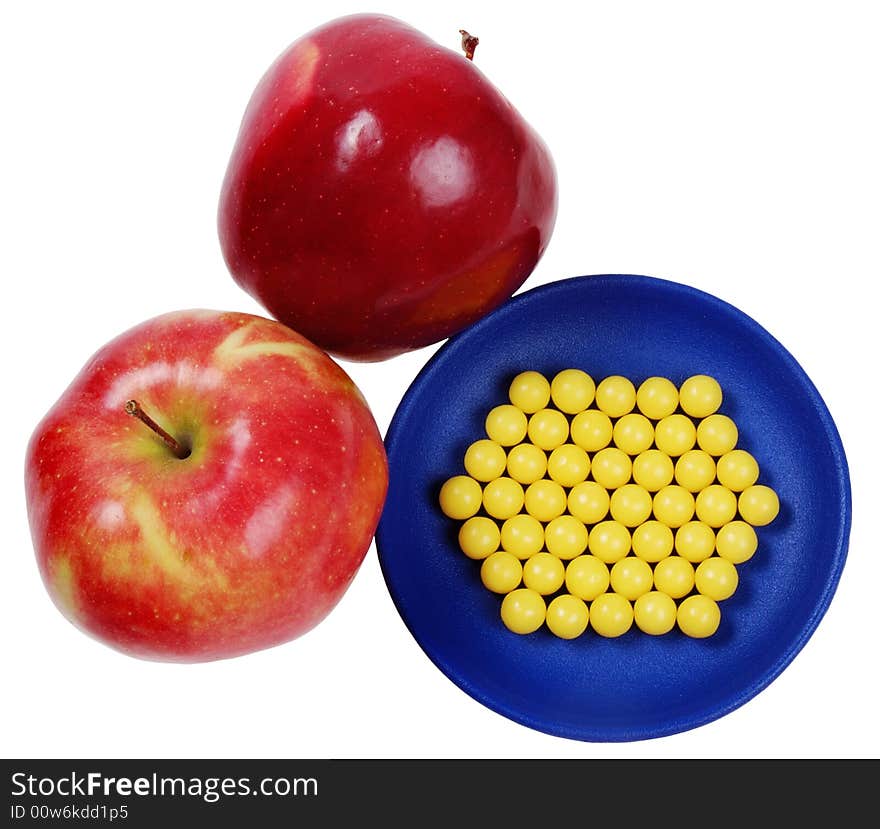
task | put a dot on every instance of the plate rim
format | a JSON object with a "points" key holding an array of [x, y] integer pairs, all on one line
{"points": [[682, 723]]}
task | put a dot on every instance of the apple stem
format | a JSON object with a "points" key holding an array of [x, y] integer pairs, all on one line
{"points": [[180, 451], [468, 43]]}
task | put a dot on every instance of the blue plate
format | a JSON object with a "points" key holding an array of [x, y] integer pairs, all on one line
{"points": [[637, 686]]}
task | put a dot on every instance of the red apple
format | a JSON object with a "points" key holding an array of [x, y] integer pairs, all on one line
{"points": [[233, 517], [382, 193]]}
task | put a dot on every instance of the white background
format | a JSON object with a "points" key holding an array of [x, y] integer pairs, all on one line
{"points": [[733, 147]]}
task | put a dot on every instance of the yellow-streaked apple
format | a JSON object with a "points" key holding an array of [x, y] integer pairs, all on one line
{"points": [[207, 486]]}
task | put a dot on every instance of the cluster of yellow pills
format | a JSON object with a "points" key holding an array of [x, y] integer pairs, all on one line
{"points": [[609, 505]]}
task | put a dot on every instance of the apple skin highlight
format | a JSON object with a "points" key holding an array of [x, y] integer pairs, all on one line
{"points": [[382, 193], [246, 543]]}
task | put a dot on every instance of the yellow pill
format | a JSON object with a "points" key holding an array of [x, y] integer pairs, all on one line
{"points": [[633, 433], [758, 505], [591, 430], [572, 390], [715, 505], [548, 429], [611, 615], [694, 541], [566, 537], [695, 470], [587, 577], [700, 395], [567, 617], [611, 467], [717, 434], [609, 541], [589, 502], [545, 500], [529, 391], [503, 498], [526, 463], [543, 573], [652, 469], [657, 398], [631, 577], [716, 578], [501, 572], [673, 505], [479, 537], [654, 613], [522, 535], [737, 470], [485, 460], [674, 576], [675, 435], [737, 542], [616, 396], [506, 425], [460, 497], [631, 505], [568, 465], [698, 616], [652, 541], [523, 611]]}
